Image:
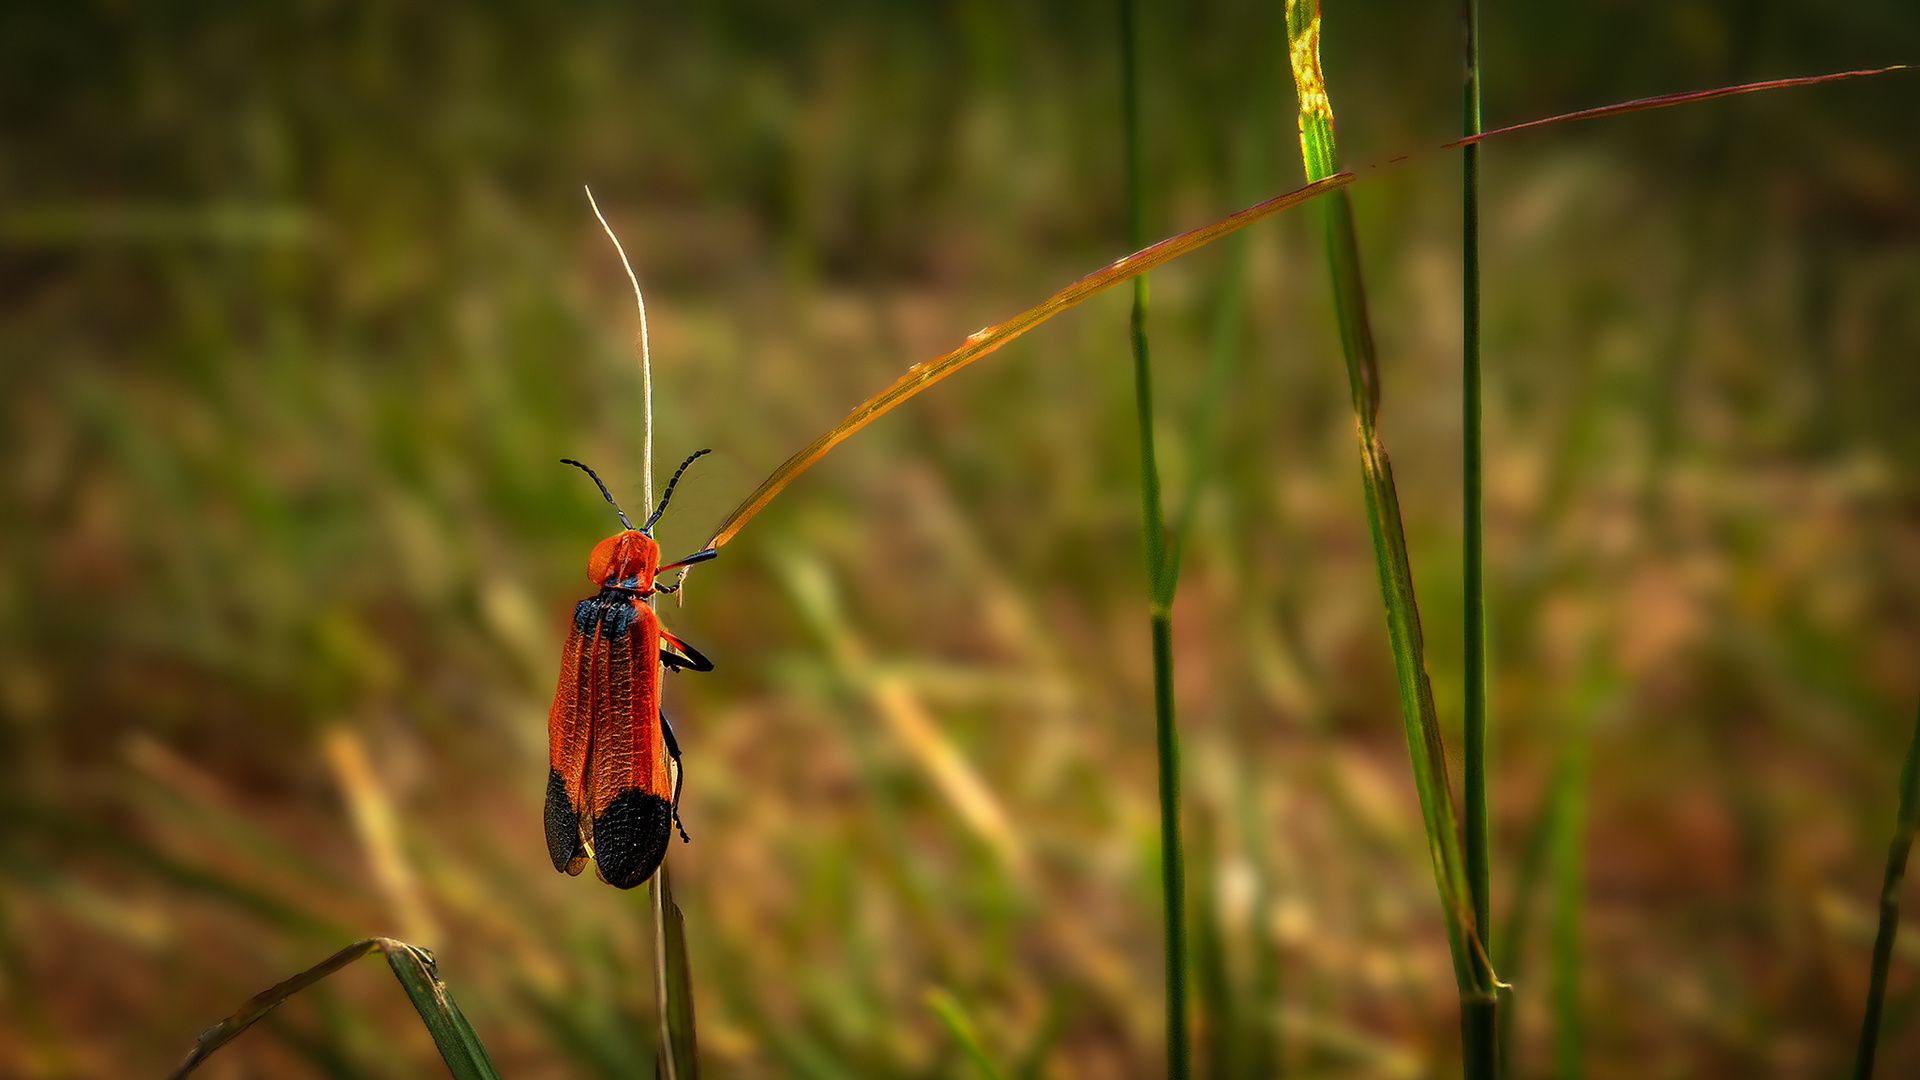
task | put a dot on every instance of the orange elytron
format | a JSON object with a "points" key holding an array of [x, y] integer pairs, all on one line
{"points": [[610, 795]]}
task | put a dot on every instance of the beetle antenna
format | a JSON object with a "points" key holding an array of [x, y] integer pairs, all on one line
{"points": [[668, 494], [609, 495]]}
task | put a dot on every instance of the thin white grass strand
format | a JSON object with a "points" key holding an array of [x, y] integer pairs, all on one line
{"points": [[646, 361], [656, 900]]}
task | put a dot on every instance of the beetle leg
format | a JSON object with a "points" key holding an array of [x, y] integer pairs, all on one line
{"points": [[679, 773], [680, 656]]}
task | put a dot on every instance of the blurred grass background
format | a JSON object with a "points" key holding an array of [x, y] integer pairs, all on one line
{"points": [[303, 302]]}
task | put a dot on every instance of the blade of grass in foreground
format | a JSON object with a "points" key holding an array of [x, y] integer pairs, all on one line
{"points": [[679, 1057], [459, 1047], [978, 344], [1472, 968], [1479, 1019], [1161, 581], [1906, 819]]}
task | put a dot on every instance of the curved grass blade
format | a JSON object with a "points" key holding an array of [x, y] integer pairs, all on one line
{"points": [[459, 1047], [1662, 101], [981, 342], [978, 344]]}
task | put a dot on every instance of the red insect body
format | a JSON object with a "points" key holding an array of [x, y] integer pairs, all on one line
{"points": [[610, 794]]}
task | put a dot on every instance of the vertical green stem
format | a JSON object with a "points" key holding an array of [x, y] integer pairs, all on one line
{"points": [[1159, 581], [1478, 1019], [1906, 818], [1473, 969]]}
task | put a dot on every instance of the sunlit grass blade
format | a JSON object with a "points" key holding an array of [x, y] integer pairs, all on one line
{"points": [[954, 1018], [905, 713], [981, 342], [682, 1047], [459, 1047], [1473, 969], [1906, 819], [984, 341]]}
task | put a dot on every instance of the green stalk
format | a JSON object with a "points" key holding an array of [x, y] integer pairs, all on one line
{"points": [[1907, 817], [1160, 578], [1473, 971], [1479, 1022]]}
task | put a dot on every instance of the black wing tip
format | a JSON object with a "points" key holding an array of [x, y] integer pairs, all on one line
{"points": [[563, 827], [630, 837]]}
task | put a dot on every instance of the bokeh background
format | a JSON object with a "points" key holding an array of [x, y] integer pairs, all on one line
{"points": [[303, 302]]}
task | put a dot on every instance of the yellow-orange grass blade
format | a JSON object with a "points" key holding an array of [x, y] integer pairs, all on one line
{"points": [[982, 342], [1661, 101]]}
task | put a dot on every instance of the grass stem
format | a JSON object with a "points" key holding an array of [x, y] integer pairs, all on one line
{"points": [[1479, 1021], [657, 896], [1160, 576], [1907, 817]]}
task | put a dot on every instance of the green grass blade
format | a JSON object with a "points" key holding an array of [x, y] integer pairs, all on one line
{"points": [[1907, 817], [1472, 968], [459, 1047], [954, 1018], [1479, 1019], [676, 985], [1161, 580]]}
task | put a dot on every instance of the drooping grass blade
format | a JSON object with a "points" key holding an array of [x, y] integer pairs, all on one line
{"points": [[459, 1047], [984, 341]]}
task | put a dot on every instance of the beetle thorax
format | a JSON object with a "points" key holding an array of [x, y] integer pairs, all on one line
{"points": [[627, 560]]}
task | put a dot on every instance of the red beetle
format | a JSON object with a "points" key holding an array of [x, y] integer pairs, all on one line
{"points": [[609, 795]]}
